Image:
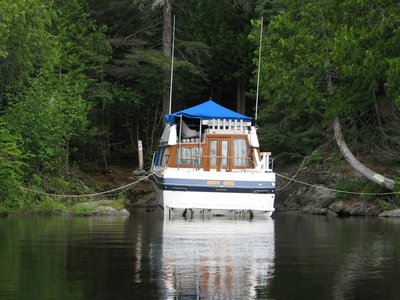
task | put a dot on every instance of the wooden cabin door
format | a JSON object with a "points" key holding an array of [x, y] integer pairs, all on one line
{"points": [[219, 154]]}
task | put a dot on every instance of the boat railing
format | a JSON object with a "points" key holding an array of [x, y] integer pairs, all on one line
{"points": [[226, 126], [190, 141], [196, 161], [263, 162]]}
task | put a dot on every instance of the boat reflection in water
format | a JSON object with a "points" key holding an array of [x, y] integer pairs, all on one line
{"points": [[217, 258]]}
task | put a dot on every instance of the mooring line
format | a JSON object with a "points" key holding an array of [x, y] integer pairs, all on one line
{"points": [[335, 190], [92, 194], [295, 175], [148, 175]]}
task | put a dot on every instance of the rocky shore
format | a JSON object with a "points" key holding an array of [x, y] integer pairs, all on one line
{"points": [[316, 198], [97, 208], [319, 199]]}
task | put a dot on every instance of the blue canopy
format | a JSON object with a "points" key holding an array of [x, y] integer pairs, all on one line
{"points": [[207, 111]]}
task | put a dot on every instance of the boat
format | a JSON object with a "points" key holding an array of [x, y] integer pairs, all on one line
{"points": [[209, 161]]}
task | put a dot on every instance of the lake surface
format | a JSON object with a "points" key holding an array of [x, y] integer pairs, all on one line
{"points": [[147, 257]]}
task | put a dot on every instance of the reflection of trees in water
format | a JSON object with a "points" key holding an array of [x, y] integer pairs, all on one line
{"points": [[79, 258], [57, 256], [334, 258], [367, 268], [298, 257], [358, 264]]}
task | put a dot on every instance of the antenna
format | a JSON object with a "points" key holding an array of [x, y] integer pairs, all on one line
{"points": [[172, 66], [259, 65]]}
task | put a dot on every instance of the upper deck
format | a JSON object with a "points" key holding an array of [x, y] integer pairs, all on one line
{"points": [[215, 144]]}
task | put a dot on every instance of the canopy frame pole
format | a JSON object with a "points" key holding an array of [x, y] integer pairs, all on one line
{"points": [[179, 141], [200, 153]]}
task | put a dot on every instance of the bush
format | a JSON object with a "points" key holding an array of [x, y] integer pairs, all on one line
{"points": [[10, 171], [343, 183]]}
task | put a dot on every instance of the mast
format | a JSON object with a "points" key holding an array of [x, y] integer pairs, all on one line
{"points": [[172, 67], [259, 66]]}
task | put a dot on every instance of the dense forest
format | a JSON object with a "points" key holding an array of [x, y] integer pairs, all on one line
{"points": [[82, 80]]}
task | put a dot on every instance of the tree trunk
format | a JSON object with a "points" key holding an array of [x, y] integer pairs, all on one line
{"points": [[240, 97], [358, 166], [167, 43]]}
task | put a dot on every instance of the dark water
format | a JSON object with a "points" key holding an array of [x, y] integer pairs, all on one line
{"points": [[145, 257]]}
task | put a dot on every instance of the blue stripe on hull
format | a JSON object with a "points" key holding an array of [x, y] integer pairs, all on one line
{"points": [[202, 185]]}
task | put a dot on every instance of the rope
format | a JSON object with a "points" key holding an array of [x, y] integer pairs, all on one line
{"points": [[291, 180], [92, 194], [336, 190], [150, 174]]}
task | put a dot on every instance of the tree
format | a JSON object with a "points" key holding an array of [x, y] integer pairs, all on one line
{"points": [[26, 44], [167, 42], [10, 170], [46, 116], [216, 37], [320, 64], [52, 57]]}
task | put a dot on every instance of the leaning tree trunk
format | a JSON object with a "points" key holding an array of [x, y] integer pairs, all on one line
{"points": [[358, 166]]}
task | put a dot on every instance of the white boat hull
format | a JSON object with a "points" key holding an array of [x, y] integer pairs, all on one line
{"points": [[219, 193]]}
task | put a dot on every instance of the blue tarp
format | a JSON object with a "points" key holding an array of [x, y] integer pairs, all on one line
{"points": [[207, 111]]}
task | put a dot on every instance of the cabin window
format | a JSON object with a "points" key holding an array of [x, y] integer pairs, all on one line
{"points": [[213, 152], [240, 153], [161, 156], [189, 156], [224, 153], [164, 157]]}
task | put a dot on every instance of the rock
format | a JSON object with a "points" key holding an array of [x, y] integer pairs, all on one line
{"points": [[339, 208], [97, 208], [280, 199], [147, 200], [395, 213], [364, 208], [320, 211], [331, 213], [109, 211], [324, 197], [315, 210], [139, 173], [359, 209]]}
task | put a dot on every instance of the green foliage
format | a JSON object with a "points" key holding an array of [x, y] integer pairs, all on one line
{"points": [[49, 205], [223, 52], [26, 44], [326, 59], [371, 187], [314, 158], [51, 55], [397, 196], [384, 205], [82, 208], [10, 171], [118, 203], [82, 44], [46, 116], [343, 183], [62, 98]]}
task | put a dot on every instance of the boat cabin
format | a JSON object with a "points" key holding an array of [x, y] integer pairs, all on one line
{"points": [[210, 142]]}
